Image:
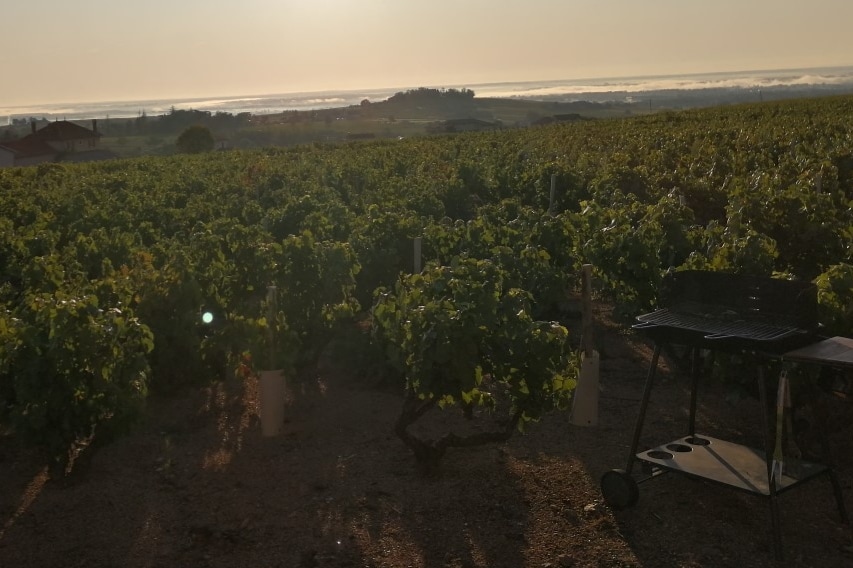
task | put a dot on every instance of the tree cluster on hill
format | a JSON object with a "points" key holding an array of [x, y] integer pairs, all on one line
{"points": [[177, 120], [173, 123], [425, 94]]}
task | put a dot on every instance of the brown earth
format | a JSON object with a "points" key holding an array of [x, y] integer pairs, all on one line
{"points": [[197, 485]]}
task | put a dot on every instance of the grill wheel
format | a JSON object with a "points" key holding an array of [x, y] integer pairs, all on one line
{"points": [[619, 489]]}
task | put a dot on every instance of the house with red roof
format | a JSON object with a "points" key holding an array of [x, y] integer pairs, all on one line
{"points": [[26, 152], [58, 141]]}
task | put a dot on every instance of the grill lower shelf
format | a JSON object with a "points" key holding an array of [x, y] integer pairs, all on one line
{"points": [[724, 462]]}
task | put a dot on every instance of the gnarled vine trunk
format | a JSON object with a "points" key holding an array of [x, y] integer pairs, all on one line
{"points": [[428, 453]]}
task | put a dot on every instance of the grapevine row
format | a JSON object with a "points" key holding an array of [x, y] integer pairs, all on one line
{"points": [[107, 267]]}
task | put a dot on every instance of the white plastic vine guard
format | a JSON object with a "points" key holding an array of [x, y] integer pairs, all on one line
{"points": [[272, 402], [585, 403]]}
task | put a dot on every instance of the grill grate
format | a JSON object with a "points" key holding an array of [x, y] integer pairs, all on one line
{"points": [[718, 328], [697, 304]]}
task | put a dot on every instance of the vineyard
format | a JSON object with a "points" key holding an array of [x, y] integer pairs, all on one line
{"points": [[128, 279]]}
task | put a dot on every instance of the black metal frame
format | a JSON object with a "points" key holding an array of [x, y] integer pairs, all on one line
{"points": [[735, 303], [810, 470]]}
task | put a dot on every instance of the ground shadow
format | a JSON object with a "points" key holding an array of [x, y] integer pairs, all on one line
{"points": [[198, 485]]}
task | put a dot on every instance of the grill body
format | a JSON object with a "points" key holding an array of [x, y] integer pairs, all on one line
{"points": [[726, 311], [736, 313]]}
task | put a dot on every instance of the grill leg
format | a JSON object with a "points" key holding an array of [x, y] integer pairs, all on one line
{"points": [[839, 497], [768, 456], [641, 418], [694, 376], [826, 448]]}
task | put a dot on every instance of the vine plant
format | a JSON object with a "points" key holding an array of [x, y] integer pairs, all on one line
{"points": [[465, 339]]}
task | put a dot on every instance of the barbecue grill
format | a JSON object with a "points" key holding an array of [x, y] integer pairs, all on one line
{"points": [[733, 313]]}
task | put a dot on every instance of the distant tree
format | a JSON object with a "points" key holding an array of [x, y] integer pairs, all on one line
{"points": [[142, 122], [195, 139]]}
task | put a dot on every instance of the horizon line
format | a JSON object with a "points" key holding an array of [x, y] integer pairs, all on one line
{"points": [[260, 96]]}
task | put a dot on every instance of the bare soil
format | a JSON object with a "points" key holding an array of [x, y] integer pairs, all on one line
{"points": [[196, 484]]}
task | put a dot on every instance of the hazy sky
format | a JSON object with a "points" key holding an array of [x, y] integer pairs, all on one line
{"points": [[99, 50]]}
